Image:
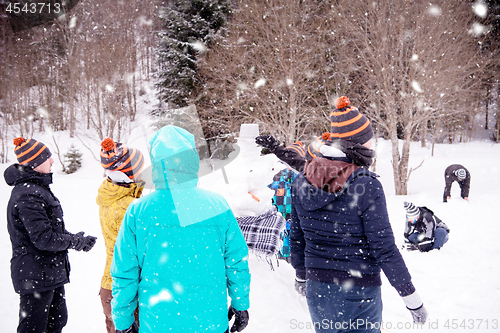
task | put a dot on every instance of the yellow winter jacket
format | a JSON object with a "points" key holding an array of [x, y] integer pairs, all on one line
{"points": [[113, 200]]}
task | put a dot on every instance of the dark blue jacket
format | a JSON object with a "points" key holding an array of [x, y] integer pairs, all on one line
{"points": [[347, 232], [36, 228]]}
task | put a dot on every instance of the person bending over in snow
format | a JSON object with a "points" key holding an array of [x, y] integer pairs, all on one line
{"points": [[179, 251], [40, 241], [461, 175], [122, 164], [341, 237], [424, 231]]}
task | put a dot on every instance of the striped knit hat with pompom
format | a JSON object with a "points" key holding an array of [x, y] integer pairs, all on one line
{"points": [[116, 156], [31, 152], [348, 124], [298, 147], [313, 150]]}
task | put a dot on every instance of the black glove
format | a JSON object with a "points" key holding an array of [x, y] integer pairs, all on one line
{"points": [[89, 243], [81, 242], [300, 286], [132, 329], [267, 141], [240, 319]]}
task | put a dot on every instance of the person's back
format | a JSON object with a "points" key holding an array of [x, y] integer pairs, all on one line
{"points": [[341, 236], [179, 250]]}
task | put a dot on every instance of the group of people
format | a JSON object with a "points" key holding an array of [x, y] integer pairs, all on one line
{"points": [[174, 255]]}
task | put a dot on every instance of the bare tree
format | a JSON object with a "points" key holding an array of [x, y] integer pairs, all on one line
{"points": [[414, 63], [275, 68]]}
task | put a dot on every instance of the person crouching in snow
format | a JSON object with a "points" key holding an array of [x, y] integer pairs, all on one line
{"points": [[341, 237], [179, 251], [424, 231], [122, 164]]}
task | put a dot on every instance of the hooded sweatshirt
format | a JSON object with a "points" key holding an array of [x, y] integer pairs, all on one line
{"points": [[340, 229], [179, 251], [113, 200]]}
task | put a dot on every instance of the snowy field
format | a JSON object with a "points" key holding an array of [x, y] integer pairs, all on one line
{"points": [[459, 283]]}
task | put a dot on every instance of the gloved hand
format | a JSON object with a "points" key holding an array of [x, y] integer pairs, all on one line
{"points": [[416, 307], [240, 319], [419, 315], [81, 242], [267, 141], [89, 243], [132, 329], [300, 286]]}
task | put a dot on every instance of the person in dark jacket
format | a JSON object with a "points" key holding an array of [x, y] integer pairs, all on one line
{"points": [[424, 231], [294, 155], [456, 173], [341, 237], [39, 264]]}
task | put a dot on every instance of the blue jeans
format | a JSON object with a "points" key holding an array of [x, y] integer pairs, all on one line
{"points": [[336, 308], [440, 238]]}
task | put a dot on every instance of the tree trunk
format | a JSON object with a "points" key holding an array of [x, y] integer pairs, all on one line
{"points": [[423, 135], [400, 164]]}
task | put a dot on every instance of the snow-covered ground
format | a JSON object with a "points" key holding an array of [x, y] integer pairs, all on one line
{"points": [[456, 283]]}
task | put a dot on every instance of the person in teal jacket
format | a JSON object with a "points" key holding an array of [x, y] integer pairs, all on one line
{"points": [[179, 251]]}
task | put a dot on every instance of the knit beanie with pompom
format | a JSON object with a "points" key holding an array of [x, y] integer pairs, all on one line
{"points": [[348, 124], [31, 152], [116, 156]]}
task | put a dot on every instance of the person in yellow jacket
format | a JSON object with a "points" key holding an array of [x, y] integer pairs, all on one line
{"points": [[117, 191]]}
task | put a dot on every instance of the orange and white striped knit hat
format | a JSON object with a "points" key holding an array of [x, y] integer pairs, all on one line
{"points": [[31, 152], [348, 124], [116, 156]]}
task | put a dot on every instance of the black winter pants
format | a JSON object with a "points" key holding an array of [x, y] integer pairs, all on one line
{"points": [[44, 312]]}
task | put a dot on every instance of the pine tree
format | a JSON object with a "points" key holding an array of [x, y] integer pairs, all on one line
{"points": [[73, 160], [187, 28]]}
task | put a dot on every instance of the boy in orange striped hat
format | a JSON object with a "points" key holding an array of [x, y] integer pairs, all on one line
{"points": [[40, 241], [123, 165]]}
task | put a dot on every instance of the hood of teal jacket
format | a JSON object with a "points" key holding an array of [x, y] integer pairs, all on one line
{"points": [[175, 161]]}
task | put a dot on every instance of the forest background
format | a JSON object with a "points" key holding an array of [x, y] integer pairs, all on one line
{"points": [[418, 70]]}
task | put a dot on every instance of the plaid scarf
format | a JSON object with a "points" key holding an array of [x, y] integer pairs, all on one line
{"points": [[262, 232]]}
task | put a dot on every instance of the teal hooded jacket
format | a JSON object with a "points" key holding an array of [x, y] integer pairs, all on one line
{"points": [[179, 251]]}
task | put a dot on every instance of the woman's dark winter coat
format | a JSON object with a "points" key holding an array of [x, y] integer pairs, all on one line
{"points": [[344, 228], [36, 227]]}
